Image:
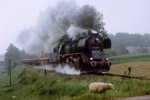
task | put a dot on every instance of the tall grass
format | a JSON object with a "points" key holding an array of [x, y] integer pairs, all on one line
{"points": [[32, 84]]}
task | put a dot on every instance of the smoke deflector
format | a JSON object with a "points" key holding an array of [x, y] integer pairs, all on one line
{"points": [[107, 43]]}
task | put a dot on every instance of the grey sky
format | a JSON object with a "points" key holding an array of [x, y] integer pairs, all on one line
{"points": [[132, 16]]}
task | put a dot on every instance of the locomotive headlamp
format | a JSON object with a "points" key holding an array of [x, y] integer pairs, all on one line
{"points": [[97, 39], [107, 59], [91, 58]]}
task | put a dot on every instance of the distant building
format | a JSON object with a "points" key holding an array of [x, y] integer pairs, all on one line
{"points": [[137, 49]]}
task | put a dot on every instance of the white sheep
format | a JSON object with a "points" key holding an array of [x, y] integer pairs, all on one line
{"points": [[99, 87]]}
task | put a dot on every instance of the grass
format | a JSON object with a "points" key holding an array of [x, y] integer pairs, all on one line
{"points": [[31, 84], [138, 69], [138, 62], [130, 58]]}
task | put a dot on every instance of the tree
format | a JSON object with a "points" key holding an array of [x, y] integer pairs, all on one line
{"points": [[12, 53], [123, 50], [24, 55], [142, 50], [64, 38], [99, 26]]}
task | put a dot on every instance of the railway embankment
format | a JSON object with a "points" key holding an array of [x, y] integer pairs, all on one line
{"points": [[32, 84]]}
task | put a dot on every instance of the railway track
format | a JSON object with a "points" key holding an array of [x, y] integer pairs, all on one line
{"points": [[117, 75]]}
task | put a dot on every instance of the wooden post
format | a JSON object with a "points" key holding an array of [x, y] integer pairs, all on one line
{"points": [[42, 62], [45, 71], [9, 70], [129, 70]]}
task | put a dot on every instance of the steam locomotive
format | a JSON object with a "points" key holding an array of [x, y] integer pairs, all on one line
{"points": [[85, 53]]}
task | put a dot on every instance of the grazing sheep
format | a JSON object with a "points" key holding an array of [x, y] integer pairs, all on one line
{"points": [[99, 87]]}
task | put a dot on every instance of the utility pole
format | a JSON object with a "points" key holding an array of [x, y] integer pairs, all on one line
{"points": [[9, 71], [42, 55], [42, 62], [45, 71]]}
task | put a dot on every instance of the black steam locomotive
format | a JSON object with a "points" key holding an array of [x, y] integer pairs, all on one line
{"points": [[84, 53]]}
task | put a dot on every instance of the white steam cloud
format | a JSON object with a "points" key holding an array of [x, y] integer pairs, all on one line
{"points": [[65, 18], [66, 69]]}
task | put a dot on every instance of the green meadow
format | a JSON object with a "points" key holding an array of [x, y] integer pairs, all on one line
{"points": [[144, 57], [32, 84]]}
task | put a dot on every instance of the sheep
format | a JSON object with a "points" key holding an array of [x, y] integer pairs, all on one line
{"points": [[99, 87]]}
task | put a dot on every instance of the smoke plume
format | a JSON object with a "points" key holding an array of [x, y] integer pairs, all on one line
{"points": [[66, 69], [65, 18]]}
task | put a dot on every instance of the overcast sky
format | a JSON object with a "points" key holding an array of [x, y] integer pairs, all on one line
{"points": [[132, 16]]}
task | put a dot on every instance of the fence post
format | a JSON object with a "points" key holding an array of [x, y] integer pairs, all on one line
{"points": [[45, 71], [129, 70], [9, 70]]}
